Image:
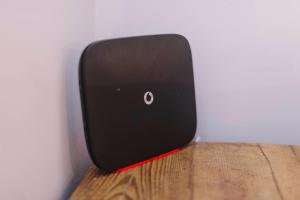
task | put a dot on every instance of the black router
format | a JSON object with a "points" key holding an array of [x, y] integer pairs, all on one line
{"points": [[137, 97]]}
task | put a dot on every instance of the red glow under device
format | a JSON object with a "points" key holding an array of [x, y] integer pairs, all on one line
{"points": [[138, 99]]}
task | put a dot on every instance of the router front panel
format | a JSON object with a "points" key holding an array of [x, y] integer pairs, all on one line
{"points": [[137, 97]]}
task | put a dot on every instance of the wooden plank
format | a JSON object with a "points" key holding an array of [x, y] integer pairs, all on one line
{"points": [[284, 164], [204, 171], [296, 151], [232, 171]]}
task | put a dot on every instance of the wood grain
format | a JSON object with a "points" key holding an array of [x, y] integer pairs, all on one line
{"points": [[208, 171]]}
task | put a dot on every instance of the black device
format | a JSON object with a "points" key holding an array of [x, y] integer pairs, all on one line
{"points": [[137, 97]]}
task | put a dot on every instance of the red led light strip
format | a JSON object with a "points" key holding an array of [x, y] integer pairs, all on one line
{"points": [[148, 160]]}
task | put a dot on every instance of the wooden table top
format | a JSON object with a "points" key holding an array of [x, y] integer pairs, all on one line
{"points": [[209, 171]]}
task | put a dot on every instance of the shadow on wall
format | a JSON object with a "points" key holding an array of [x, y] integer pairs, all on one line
{"points": [[77, 148]]}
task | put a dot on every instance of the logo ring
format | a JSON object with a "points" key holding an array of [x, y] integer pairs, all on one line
{"points": [[148, 101]]}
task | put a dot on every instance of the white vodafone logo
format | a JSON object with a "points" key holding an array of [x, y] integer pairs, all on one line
{"points": [[148, 98]]}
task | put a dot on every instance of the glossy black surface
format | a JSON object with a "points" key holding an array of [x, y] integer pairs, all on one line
{"points": [[121, 129]]}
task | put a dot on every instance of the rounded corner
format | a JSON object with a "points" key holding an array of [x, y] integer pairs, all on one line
{"points": [[182, 37]]}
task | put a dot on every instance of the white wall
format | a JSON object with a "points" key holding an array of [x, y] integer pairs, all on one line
{"points": [[246, 60], [42, 148]]}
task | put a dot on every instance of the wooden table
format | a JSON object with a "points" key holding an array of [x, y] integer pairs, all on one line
{"points": [[204, 171]]}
